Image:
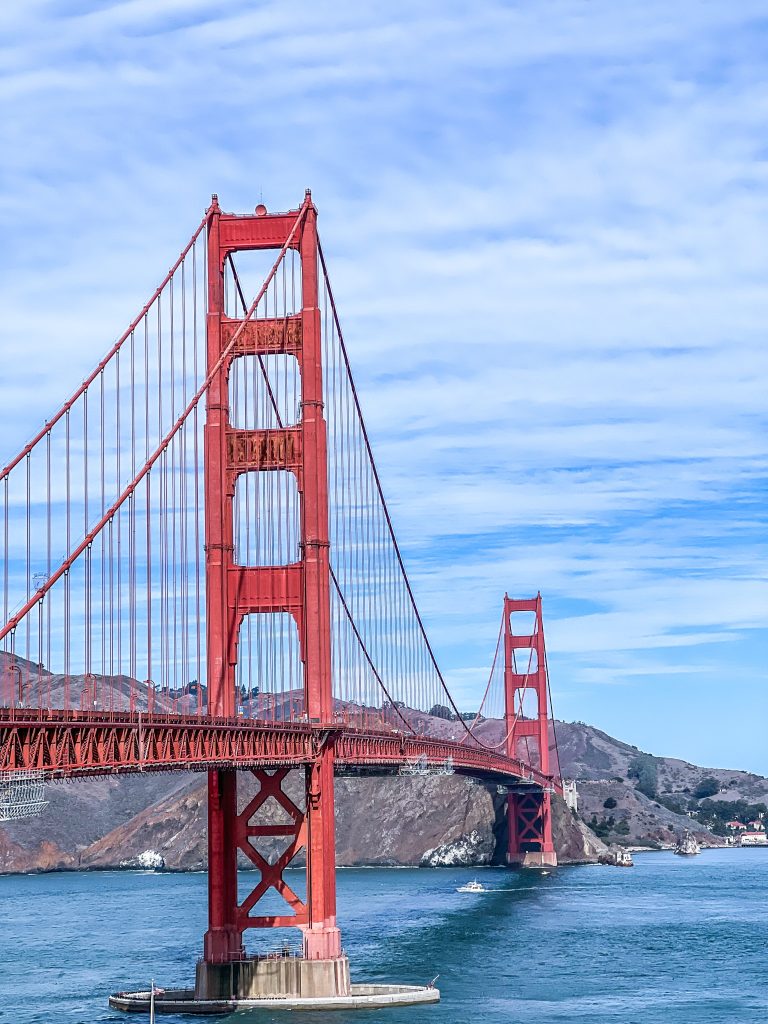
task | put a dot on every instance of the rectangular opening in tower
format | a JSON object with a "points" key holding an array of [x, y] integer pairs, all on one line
{"points": [[266, 513], [245, 273], [527, 750], [526, 703], [264, 392], [523, 623], [269, 676], [526, 712], [525, 661]]}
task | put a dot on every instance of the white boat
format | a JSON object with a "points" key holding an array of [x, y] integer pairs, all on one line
{"points": [[473, 886], [687, 845]]}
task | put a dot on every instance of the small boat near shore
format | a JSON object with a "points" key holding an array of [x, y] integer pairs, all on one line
{"points": [[473, 886], [687, 846]]}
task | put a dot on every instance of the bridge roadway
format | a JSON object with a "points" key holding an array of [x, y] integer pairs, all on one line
{"points": [[69, 744]]}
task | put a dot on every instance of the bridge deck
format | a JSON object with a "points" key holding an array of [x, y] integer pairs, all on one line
{"points": [[74, 743]]}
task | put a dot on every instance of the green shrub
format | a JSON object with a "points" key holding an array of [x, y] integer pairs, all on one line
{"points": [[708, 786], [643, 768], [673, 803]]}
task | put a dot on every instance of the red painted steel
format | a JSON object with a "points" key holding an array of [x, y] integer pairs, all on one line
{"points": [[72, 744], [529, 815], [374, 732], [271, 786], [302, 589], [322, 939]]}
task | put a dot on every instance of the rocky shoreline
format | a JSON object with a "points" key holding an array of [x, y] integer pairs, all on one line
{"points": [[109, 823], [398, 822]]}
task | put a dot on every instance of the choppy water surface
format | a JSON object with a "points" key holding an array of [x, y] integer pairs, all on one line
{"points": [[673, 940]]}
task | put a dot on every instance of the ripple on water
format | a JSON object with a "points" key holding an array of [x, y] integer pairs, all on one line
{"points": [[670, 942]]}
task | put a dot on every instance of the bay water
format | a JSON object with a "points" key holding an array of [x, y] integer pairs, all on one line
{"points": [[671, 941]]}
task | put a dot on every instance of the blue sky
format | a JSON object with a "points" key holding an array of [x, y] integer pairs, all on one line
{"points": [[546, 226]]}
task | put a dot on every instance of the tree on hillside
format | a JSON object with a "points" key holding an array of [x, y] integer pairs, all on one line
{"points": [[708, 786], [675, 804], [714, 814], [643, 768], [441, 711]]}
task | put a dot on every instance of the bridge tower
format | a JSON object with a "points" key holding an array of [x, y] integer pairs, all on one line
{"points": [[529, 808], [300, 589]]}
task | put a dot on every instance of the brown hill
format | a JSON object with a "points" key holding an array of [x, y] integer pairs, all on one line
{"points": [[602, 767], [106, 822]]}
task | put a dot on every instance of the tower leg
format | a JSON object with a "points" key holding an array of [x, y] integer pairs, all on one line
{"points": [[223, 940], [226, 972], [529, 818], [322, 939]]}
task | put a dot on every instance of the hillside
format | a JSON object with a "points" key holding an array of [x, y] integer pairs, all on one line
{"points": [[105, 822], [603, 768], [383, 822]]}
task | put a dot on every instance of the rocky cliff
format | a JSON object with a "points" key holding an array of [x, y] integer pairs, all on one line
{"points": [[384, 822], [109, 822]]}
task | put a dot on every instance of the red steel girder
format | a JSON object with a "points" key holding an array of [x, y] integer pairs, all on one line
{"points": [[261, 450], [279, 336], [271, 786], [77, 743], [239, 232], [72, 743]]}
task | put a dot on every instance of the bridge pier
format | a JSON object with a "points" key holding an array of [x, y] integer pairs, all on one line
{"points": [[529, 838], [277, 977], [322, 968]]}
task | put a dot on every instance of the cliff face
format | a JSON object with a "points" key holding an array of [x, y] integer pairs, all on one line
{"points": [[381, 822], [396, 820], [78, 814], [108, 822], [393, 821], [574, 841]]}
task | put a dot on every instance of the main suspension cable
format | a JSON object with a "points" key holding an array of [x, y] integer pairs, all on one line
{"points": [[63, 569], [388, 519]]}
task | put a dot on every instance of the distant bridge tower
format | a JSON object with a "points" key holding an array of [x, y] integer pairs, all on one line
{"points": [[529, 809]]}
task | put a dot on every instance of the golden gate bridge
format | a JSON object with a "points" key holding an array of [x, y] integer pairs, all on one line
{"points": [[200, 571]]}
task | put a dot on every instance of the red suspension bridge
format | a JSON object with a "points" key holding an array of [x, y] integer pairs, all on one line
{"points": [[199, 571]]}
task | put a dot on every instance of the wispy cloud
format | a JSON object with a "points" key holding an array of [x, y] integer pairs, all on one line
{"points": [[545, 229]]}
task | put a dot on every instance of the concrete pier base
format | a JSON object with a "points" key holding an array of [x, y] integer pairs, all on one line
{"points": [[284, 977], [360, 997], [533, 860], [277, 982]]}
